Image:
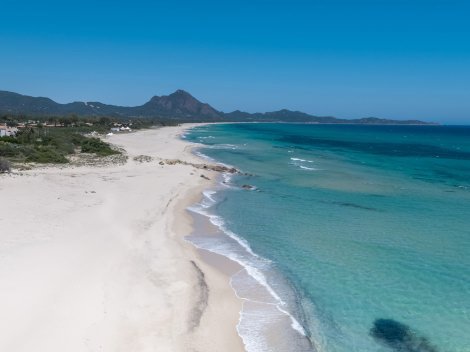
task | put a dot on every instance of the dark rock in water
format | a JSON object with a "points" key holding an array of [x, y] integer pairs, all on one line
{"points": [[249, 187], [390, 331], [400, 337]]}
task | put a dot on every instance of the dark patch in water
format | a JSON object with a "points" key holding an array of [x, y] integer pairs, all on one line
{"points": [[452, 179], [289, 147], [400, 337], [425, 179], [460, 175], [381, 148], [352, 205]]}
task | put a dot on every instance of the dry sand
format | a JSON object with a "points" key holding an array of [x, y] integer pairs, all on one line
{"points": [[94, 258]]}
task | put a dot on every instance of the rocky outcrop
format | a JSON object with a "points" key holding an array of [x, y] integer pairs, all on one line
{"points": [[249, 188], [143, 158], [210, 167]]}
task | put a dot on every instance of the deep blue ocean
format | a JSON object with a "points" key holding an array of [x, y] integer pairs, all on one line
{"points": [[360, 235]]}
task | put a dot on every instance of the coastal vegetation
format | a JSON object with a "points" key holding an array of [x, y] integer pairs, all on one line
{"points": [[55, 139], [50, 145], [4, 165]]}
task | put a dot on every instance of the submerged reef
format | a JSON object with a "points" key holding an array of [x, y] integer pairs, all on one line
{"points": [[400, 337]]}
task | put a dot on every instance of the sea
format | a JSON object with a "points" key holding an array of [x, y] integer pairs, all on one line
{"points": [[350, 237]]}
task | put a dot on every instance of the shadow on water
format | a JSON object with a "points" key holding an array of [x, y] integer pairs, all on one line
{"points": [[400, 337]]}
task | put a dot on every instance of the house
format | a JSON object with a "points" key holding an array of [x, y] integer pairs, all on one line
{"points": [[6, 131]]}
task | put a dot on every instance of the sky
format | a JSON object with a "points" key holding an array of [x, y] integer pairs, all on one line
{"points": [[392, 59]]}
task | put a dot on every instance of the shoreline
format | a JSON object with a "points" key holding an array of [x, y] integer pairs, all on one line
{"points": [[266, 321], [95, 257]]}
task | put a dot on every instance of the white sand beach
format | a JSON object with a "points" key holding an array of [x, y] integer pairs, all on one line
{"points": [[94, 258]]}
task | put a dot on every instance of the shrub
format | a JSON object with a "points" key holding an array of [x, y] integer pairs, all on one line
{"points": [[97, 146], [4, 165], [8, 150], [45, 155], [50, 145]]}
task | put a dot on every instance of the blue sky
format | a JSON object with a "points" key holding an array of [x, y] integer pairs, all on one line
{"points": [[396, 59]]}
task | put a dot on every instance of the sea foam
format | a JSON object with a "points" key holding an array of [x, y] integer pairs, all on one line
{"points": [[239, 250]]}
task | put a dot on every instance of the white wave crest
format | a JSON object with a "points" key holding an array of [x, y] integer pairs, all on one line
{"points": [[252, 263], [307, 168], [301, 160]]}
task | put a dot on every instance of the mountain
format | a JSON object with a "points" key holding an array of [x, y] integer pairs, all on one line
{"points": [[281, 116], [301, 117], [179, 105]]}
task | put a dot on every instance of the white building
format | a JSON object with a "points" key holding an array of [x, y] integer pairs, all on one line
{"points": [[8, 131]]}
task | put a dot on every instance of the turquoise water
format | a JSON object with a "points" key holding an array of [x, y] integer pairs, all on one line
{"points": [[355, 227]]}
